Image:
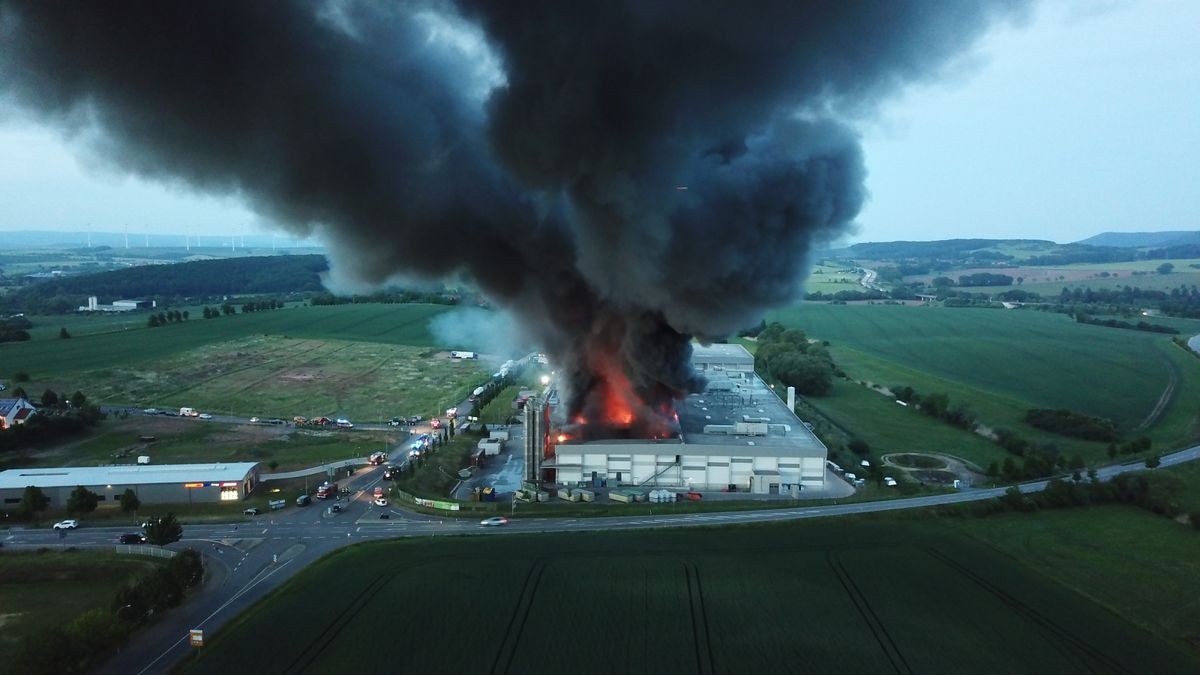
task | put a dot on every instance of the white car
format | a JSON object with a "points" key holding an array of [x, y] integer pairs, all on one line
{"points": [[254, 420], [494, 521], [889, 481], [66, 524], [204, 416], [150, 411], [381, 501]]}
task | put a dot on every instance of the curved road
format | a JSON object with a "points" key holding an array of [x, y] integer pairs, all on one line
{"points": [[248, 560]]}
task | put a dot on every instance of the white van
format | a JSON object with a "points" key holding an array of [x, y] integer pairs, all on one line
{"points": [[189, 412]]}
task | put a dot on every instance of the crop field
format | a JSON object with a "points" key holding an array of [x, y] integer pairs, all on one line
{"points": [[39, 590], [813, 597], [386, 324], [359, 361], [1137, 564], [1004, 362]]}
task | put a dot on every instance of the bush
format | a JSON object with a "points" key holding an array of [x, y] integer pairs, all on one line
{"points": [[1070, 423]]}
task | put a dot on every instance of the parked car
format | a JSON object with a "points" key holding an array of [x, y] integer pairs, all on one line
{"points": [[494, 521], [252, 511], [132, 539], [303, 500], [343, 423], [380, 501], [415, 419], [69, 524], [254, 420], [204, 416], [435, 423], [150, 411], [276, 421], [336, 508]]}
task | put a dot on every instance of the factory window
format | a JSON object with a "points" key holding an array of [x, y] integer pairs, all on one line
{"points": [[100, 498], [742, 460], [230, 494]]}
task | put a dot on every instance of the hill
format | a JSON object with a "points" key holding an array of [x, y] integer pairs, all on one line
{"points": [[1143, 239], [945, 248]]}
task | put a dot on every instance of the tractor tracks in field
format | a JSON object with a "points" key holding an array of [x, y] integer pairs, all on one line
{"points": [[314, 649], [502, 662], [1167, 396], [880, 632], [701, 635], [1075, 649]]}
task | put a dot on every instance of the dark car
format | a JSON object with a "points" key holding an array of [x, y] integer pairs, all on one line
{"points": [[413, 419], [132, 539]]}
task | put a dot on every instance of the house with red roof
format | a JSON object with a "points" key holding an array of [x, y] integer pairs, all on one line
{"points": [[15, 411]]}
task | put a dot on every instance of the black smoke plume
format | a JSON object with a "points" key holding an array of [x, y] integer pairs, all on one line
{"points": [[620, 175]]}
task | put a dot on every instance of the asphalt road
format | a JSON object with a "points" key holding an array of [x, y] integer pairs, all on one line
{"points": [[247, 560]]}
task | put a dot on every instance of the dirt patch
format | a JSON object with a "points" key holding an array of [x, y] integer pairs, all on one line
{"points": [[946, 470], [936, 477]]}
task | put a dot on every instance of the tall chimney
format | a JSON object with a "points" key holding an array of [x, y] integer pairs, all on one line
{"points": [[792, 399]]}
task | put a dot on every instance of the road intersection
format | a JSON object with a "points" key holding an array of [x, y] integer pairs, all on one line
{"points": [[247, 560]]}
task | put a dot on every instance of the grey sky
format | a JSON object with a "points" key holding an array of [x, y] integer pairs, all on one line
{"points": [[1084, 119]]}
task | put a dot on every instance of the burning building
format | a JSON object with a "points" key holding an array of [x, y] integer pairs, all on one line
{"points": [[735, 434]]}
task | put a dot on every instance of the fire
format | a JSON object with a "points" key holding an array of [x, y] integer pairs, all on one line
{"points": [[617, 395], [612, 407]]}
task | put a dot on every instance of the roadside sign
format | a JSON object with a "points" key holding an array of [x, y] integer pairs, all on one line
{"points": [[196, 637]]}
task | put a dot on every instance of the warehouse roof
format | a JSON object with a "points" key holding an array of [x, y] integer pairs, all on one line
{"points": [[125, 475]]}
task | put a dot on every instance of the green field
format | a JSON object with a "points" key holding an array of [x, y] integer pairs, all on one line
{"points": [[1137, 564], [888, 427], [810, 597], [40, 590], [366, 362], [180, 440], [387, 324], [1004, 362]]}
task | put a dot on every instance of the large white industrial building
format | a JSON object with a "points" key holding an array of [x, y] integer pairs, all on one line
{"points": [[736, 435], [153, 484]]}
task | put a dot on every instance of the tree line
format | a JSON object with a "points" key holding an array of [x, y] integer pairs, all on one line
{"points": [[15, 329], [787, 355], [82, 644], [199, 279]]}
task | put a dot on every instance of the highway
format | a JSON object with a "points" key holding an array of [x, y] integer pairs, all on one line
{"points": [[247, 560]]}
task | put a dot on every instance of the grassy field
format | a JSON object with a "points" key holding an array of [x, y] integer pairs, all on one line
{"points": [[1005, 362], [811, 597], [182, 440], [1135, 563], [387, 324], [888, 427], [365, 362], [39, 590]]}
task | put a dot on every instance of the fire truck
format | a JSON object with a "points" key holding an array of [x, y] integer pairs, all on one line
{"points": [[326, 490]]}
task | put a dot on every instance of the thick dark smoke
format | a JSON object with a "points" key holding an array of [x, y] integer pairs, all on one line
{"points": [[539, 147]]}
